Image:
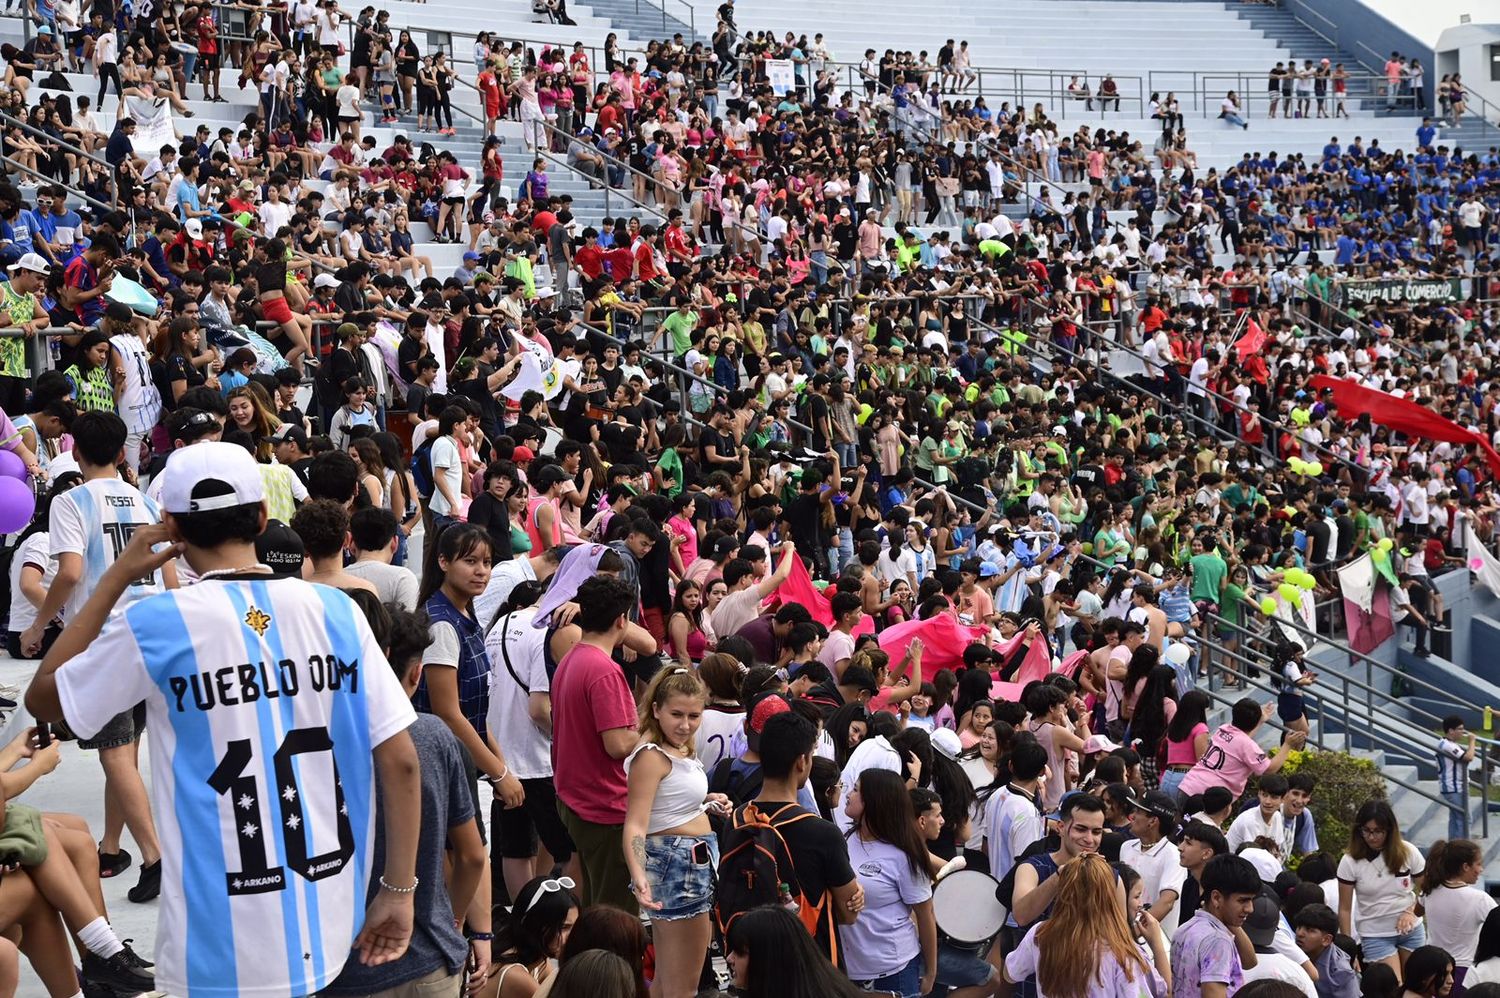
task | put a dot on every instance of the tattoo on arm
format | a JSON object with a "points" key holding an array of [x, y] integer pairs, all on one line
{"points": [[638, 850]]}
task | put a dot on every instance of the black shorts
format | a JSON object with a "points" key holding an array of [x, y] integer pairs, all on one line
{"points": [[518, 829], [1289, 706], [208, 61]]}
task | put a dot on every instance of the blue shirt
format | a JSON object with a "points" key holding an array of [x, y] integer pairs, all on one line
{"points": [[187, 197]]}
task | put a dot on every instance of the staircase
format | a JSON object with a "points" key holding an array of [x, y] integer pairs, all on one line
{"points": [[644, 20]]}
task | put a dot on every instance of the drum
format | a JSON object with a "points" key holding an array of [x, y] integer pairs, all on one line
{"points": [[967, 913]]}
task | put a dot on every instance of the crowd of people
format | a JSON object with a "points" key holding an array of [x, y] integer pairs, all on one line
{"points": [[765, 587]]}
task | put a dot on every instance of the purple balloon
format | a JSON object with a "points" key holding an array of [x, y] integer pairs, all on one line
{"points": [[11, 466], [17, 505]]}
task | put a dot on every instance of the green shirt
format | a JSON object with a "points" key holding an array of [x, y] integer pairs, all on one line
{"points": [[1230, 608], [681, 325], [1208, 576], [670, 465]]}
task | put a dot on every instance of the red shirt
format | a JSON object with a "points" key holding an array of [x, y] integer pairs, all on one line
{"points": [[645, 261], [590, 696], [590, 260], [618, 260], [676, 243], [542, 222], [609, 117]]}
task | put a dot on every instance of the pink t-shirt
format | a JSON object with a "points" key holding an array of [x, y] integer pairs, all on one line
{"points": [[590, 696], [1232, 758], [689, 550], [1181, 753]]}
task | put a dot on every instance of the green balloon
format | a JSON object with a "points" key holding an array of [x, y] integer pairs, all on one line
{"points": [[1289, 592], [1385, 544], [1268, 606]]}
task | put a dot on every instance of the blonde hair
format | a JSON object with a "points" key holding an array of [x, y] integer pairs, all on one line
{"points": [[671, 681], [1087, 921]]}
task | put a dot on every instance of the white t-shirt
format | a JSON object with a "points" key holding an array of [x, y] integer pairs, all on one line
{"points": [[721, 735], [506, 576], [1454, 917], [32, 551], [528, 749], [1161, 870], [447, 462], [264, 717], [140, 402], [1250, 825], [1382, 895], [95, 521], [1275, 967], [884, 939]]}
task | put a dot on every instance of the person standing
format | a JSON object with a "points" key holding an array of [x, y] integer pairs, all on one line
{"points": [[138, 400], [301, 765], [1211, 950], [90, 527], [1454, 758], [593, 731], [1154, 855], [670, 847], [893, 945]]}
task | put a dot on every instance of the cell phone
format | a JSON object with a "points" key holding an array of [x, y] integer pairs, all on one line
{"points": [[700, 853], [43, 735]]}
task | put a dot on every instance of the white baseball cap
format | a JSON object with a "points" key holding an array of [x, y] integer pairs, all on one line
{"points": [[34, 262], [211, 475], [325, 281], [194, 228]]}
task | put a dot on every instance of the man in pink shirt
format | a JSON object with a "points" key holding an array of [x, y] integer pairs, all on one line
{"points": [[1233, 755], [593, 730]]}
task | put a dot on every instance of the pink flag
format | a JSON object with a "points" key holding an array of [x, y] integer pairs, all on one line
{"points": [[1250, 343], [943, 641], [799, 588]]}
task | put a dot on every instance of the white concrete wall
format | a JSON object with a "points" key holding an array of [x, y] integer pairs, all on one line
{"points": [[1466, 49]]}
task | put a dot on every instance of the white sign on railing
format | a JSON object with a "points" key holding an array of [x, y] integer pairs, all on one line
{"points": [[779, 75]]}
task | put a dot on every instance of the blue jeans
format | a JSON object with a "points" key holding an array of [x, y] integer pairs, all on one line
{"points": [[1170, 779], [1458, 821]]}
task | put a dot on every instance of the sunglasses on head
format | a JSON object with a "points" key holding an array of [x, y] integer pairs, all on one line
{"points": [[547, 887]]}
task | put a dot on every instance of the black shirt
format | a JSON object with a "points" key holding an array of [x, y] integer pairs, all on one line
{"points": [[804, 518]]}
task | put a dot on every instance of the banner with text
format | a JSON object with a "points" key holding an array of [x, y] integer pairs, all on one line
{"points": [[1401, 292]]}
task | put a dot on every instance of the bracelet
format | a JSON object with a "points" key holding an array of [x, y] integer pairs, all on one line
{"points": [[482, 937], [386, 885]]}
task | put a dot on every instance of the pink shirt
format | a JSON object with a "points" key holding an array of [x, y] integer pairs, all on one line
{"points": [[590, 696], [1232, 758], [1181, 753]]}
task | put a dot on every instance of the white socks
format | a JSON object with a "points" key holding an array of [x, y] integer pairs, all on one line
{"points": [[100, 939]]}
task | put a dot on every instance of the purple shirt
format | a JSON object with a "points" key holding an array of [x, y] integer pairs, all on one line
{"points": [[1203, 951], [1111, 980]]}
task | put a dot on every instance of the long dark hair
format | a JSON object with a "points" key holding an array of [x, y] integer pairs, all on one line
{"points": [[1426, 970], [837, 727], [1192, 710], [888, 817], [457, 540], [784, 961], [528, 933], [1148, 723]]}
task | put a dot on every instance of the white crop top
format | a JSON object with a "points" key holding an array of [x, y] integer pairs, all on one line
{"points": [[679, 797]]}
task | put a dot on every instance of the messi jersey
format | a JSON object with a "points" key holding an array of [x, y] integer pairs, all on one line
{"points": [[95, 521], [265, 699]]}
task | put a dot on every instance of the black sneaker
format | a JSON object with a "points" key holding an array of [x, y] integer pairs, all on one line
{"points": [[149, 886], [117, 972], [135, 957], [113, 863]]}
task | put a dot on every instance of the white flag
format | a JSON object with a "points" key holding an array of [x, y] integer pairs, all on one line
{"points": [[1484, 564], [528, 379], [1357, 582]]}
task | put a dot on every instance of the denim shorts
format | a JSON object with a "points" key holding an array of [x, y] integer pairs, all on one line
{"points": [[1380, 947], [960, 968], [904, 983], [684, 888]]}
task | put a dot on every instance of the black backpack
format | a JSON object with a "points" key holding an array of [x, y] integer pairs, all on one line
{"points": [[756, 863]]}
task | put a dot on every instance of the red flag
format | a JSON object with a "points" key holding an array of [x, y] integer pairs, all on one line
{"points": [[1353, 401], [799, 588], [1250, 344]]}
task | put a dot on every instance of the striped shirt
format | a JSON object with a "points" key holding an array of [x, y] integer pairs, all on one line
{"points": [[264, 714], [1453, 770], [96, 521]]}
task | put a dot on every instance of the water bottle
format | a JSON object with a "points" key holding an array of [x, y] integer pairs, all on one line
{"points": [[787, 901]]}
